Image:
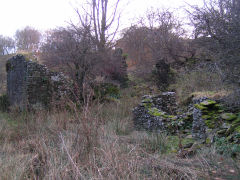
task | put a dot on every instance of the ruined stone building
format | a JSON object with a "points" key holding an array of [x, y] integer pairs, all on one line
{"points": [[32, 85]]}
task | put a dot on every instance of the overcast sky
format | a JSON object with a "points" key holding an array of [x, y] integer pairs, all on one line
{"points": [[47, 14]]}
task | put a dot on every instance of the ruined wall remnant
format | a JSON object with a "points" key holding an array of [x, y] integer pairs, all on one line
{"points": [[156, 112], [16, 79], [198, 126], [30, 84]]}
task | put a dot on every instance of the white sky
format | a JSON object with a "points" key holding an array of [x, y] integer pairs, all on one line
{"points": [[47, 14]]}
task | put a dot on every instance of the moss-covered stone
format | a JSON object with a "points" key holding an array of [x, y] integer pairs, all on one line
{"points": [[172, 117], [158, 113], [208, 140], [236, 122], [229, 116], [230, 130], [220, 111], [155, 112], [210, 124], [147, 100], [222, 131], [211, 112], [206, 116], [208, 103], [201, 107], [237, 129], [147, 105]]}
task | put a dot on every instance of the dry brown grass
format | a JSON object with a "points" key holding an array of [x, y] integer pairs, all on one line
{"points": [[212, 94], [200, 83], [96, 143]]}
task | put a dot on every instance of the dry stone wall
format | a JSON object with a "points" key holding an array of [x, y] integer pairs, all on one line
{"points": [[158, 113], [32, 85]]}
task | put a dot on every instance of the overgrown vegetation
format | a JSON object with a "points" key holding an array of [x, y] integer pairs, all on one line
{"points": [[98, 142], [201, 80], [93, 136]]}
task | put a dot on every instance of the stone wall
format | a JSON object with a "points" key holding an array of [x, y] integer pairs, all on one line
{"points": [[198, 126], [158, 113], [31, 85], [204, 120], [16, 80]]}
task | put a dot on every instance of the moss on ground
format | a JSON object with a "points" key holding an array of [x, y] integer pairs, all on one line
{"points": [[173, 143]]}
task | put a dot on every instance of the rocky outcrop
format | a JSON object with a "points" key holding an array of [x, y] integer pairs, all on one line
{"points": [[31, 85]]}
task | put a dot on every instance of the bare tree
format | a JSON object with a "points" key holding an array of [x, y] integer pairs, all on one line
{"points": [[7, 45], [102, 16], [157, 43], [217, 28], [156, 37], [219, 20], [164, 37], [28, 39], [134, 42], [85, 51], [72, 51]]}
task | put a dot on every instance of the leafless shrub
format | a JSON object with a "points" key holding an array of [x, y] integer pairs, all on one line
{"points": [[7, 45], [158, 38], [28, 39]]}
